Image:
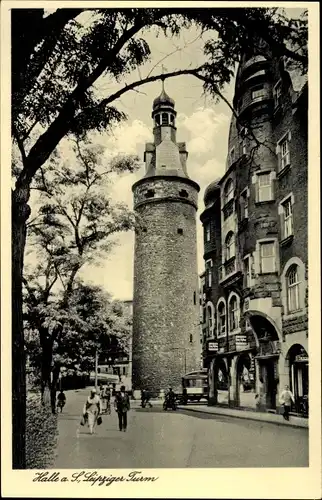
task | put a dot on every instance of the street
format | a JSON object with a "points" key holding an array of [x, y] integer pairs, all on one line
{"points": [[175, 439]]}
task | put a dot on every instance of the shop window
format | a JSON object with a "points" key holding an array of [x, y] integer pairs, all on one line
{"points": [[230, 246], [293, 289]]}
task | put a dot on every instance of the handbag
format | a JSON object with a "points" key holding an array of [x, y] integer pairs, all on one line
{"points": [[99, 420]]}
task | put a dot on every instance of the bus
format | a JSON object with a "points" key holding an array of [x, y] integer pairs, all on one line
{"points": [[196, 385]]}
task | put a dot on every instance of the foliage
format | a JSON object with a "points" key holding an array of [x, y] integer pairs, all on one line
{"points": [[41, 435]]}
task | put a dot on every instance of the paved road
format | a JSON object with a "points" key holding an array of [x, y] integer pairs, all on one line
{"points": [[176, 439]]}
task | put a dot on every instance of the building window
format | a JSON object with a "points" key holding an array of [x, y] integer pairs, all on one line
{"points": [[283, 152], [180, 230], [277, 94], [244, 204], [165, 119], [208, 273], [248, 270], [210, 320], [183, 193], [150, 193], [230, 245], [264, 187], [293, 289], [229, 191], [208, 232], [194, 298], [221, 327], [258, 91], [233, 313], [287, 229], [267, 257], [232, 155], [244, 146]]}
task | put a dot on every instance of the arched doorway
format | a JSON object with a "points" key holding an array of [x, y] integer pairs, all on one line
{"points": [[298, 360], [268, 352], [245, 383]]}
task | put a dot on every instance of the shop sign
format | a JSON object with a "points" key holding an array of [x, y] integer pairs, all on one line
{"points": [[213, 346], [302, 358], [241, 342]]}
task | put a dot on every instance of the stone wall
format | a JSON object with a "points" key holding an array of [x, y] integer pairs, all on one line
{"points": [[166, 297]]}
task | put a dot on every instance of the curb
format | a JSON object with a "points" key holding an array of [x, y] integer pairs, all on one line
{"points": [[297, 425]]}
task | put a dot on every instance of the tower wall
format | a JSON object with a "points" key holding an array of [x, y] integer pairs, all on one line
{"points": [[165, 308]]}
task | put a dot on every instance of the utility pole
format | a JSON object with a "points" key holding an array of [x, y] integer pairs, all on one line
{"points": [[96, 366]]}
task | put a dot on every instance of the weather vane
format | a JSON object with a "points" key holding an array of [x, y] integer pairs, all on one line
{"points": [[163, 69]]}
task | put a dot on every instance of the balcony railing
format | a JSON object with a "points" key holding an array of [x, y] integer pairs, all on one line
{"points": [[228, 269]]}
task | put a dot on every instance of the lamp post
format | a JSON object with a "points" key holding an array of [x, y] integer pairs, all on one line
{"points": [[96, 366]]}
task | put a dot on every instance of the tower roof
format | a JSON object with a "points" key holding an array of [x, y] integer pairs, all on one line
{"points": [[163, 99]]}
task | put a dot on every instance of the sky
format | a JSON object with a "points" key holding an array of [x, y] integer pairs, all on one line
{"points": [[201, 123]]}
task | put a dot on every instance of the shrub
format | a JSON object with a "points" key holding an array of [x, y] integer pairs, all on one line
{"points": [[41, 434]]}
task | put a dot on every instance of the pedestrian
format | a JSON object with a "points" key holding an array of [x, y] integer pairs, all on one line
{"points": [[61, 400], [122, 406], [92, 409], [286, 399], [147, 399]]}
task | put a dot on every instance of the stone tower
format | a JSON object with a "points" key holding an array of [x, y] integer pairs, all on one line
{"points": [[166, 298]]}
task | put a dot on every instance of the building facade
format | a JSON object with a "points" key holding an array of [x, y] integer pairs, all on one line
{"points": [[255, 245], [166, 295]]}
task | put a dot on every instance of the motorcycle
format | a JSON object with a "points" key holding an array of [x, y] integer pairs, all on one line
{"points": [[169, 405]]}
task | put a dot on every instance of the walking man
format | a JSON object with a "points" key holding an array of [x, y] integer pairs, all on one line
{"points": [[122, 406], [286, 399]]}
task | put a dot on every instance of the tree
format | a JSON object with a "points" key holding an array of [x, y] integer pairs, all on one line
{"points": [[93, 321], [73, 226], [56, 61]]}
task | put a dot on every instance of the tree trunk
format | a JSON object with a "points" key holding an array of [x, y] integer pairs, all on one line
{"points": [[46, 361], [20, 213], [53, 388]]}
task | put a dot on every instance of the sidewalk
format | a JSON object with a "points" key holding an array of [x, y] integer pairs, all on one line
{"points": [[249, 415]]}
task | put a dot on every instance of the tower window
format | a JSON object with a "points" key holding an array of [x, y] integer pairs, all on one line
{"points": [[183, 193], [157, 119], [180, 230], [165, 119], [150, 193], [258, 91], [172, 119], [190, 338], [194, 298]]}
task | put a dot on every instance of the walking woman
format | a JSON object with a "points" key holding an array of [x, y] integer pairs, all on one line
{"points": [[92, 409]]}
